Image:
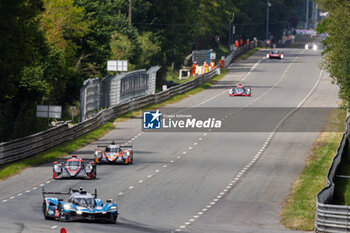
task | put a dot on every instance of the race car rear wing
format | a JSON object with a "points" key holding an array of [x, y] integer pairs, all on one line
{"points": [[56, 193], [71, 191], [126, 147], [121, 145], [64, 160], [109, 142]]}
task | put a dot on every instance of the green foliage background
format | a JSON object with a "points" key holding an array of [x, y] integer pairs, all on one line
{"points": [[337, 44], [49, 47]]}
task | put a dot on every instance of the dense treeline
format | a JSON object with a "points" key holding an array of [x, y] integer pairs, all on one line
{"points": [[337, 45], [49, 47]]}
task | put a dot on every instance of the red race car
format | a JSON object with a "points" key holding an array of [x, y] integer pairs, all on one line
{"points": [[275, 54], [74, 167], [240, 90]]}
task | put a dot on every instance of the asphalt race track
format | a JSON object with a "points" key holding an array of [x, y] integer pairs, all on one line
{"points": [[195, 181]]}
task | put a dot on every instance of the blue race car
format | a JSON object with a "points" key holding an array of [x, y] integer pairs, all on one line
{"points": [[79, 206]]}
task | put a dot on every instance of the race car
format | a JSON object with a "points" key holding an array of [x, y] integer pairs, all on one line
{"points": [[114, 153], [275, 54], [80, 205], [311, 46], [74, 167], [240, 90]]}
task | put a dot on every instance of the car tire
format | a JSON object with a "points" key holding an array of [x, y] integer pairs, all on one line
{"points": [[45, 211], [114, 219], [60, 209]]}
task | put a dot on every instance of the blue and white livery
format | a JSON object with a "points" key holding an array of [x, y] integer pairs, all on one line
{"points": [[79, 206]]}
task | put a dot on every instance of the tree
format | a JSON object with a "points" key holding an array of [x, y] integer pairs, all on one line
{"points": [[337, 56], [23, 47]]}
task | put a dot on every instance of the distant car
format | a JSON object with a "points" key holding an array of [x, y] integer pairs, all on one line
{"points": [[74, 167], [240, 90], [312, 46], [114, 153], [79, 206], [275, 54]]}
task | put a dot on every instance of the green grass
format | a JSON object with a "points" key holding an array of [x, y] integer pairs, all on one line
{"points": [[298, 213], [55, 152], [247, 54], [174, 76]]}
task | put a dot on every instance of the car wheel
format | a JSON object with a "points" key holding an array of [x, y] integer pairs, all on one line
{"points": [[114, 219], [94, 175], [60, 211], [45, 211], [131, 160]]}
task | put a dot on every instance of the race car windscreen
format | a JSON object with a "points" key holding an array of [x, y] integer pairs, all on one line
{"points": [[85, 202], [112, 149], [74, 164], [239, 89]]}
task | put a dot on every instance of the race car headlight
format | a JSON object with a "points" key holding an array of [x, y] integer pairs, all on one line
{"points": [[267, 55], [113, 208], [88, 168], [98, 154], [126, 154], [68, 207], [314, 47], [57, 168], [306, 46], [230, 91], [79, 212]]}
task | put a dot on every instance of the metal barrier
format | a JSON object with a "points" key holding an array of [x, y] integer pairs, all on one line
{"points": [[239, 51], [28, 146], [329, 217], [115, 89]]}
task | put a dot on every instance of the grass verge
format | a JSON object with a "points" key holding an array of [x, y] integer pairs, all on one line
{"points": [[55, 152], [68, 147], [174, 77], [247, 54], [298, 213]]}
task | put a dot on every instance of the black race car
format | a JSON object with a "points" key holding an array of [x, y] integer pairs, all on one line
{"points": [[74, 167]]}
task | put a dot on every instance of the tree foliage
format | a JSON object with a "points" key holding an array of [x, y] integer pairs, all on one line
{"points": [[337, 45], [49, 47]]}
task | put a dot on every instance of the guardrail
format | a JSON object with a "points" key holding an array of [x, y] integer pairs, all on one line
{"points": [[239, 51], [28, 146], [329, 217]]}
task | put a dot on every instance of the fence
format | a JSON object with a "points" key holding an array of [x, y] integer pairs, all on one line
{"points": [[115, 89], [28, 146], [329, 217]]}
